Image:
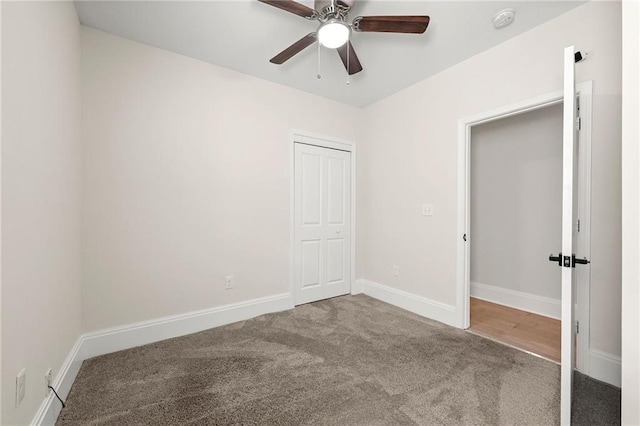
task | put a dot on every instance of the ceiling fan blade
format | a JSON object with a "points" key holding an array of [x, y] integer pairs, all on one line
{"points": [[294, 49], [391, 24], [293, 7], [351, 62]]}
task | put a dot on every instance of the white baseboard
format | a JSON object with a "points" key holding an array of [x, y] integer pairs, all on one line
{"points": [[516, 299], [50, 408], [417, 304], [118, 338], [605, 367], [358, 286], [115, 339]]}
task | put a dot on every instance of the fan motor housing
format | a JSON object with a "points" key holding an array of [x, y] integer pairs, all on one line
{"points": [[328, 9]]}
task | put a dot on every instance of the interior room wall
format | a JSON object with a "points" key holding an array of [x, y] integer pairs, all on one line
{"points": [[630, 213], [186, 180], [41, 188], [516, 212], [1, 211], [411, 158], [1, 377]]}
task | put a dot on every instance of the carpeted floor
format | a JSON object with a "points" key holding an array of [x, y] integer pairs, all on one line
{"points": [[351, 360], [594, 402]]}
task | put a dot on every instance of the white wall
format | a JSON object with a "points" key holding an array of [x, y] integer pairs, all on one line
{"points": [[516, 212], [630, 213], [410, 154], [186, 180], [41, 154], [0, 211]]}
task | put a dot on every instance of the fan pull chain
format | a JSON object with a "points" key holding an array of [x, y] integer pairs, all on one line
{"points": [[348, 56], [319, 76]]}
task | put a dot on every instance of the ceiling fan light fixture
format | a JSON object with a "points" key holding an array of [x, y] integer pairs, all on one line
{"points": [[333, 34]]}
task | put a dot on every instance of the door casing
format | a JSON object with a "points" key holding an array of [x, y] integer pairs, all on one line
{"points": [[308, 138], [463, 291]]}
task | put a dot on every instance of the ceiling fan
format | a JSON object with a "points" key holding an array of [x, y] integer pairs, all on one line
{"points": [[334, 30]]}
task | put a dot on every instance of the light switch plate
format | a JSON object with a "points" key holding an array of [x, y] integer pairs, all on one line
{"points": [[228, 282], [427, 209]]}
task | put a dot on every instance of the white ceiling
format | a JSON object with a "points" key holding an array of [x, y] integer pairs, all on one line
{"points": [[244, 34]]}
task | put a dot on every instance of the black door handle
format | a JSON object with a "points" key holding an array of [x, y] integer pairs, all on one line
{"points": [[568, 262], [557, 258], [583, 261]]}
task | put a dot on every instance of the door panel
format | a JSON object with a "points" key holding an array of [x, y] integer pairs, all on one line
{"points": [[310, 263], [335, 260], [322, 198], [569, 210], [311, 189], [336, 191]]}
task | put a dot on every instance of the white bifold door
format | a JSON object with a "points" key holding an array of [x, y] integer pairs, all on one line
{"points": [[322, 234]]}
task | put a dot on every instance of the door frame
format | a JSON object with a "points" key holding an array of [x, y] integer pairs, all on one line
{"points": [[463, 290], [308, 138]]}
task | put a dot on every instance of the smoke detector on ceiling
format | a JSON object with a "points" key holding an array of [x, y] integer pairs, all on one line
{"points": [[504, 18]]}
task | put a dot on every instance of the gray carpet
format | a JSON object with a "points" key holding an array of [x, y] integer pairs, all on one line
{"points": [[351, 360], [594, 402]]}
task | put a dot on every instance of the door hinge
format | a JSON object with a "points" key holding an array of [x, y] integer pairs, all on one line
{"points": [[578, 120], [578, 225], [577, 327]]}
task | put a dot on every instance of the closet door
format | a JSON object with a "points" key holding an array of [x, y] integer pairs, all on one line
{"points": [[322, 196]]}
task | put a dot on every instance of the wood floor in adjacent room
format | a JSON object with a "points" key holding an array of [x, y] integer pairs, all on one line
{"points": [[530, 332]]}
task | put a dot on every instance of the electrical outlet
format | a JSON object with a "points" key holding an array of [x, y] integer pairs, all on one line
{"points": [[47, 382], [427, 209], [20, 386], [395, 270], [228, 282]]}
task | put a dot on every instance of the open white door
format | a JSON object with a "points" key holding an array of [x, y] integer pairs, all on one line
{"points": [[569, 181]]}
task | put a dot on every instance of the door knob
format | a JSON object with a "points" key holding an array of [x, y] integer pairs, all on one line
{"points": [[338, 231], [583, 261], [569, 262]]}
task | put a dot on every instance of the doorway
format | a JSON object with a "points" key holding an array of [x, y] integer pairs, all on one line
{"points": [[515, 218], [323, 218], [467, 233]]}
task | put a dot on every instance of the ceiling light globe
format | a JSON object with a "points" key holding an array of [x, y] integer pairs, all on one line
{"points": [[333, 34]]}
